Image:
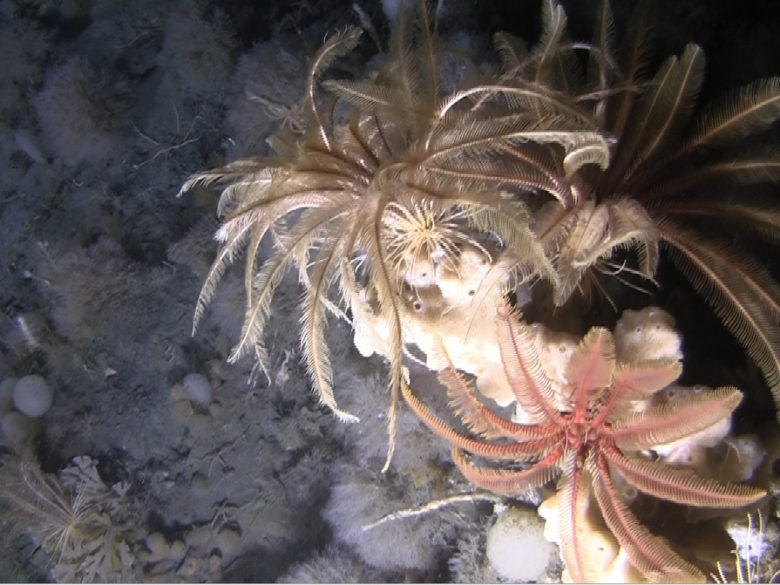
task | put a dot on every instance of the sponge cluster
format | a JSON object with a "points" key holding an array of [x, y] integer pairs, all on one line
{"points": [[21, 402]]}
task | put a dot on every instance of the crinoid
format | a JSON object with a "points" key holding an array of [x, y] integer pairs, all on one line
{"points": [[695, 180], [41, 504], [83, 525], [369, 209], [586, 427]]}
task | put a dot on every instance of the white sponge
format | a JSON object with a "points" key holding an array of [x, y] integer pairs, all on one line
{"points": [[516, 547], [32, 396], [198, 388]]}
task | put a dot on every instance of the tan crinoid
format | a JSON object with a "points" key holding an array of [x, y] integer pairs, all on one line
{"points": [[417, 173], [698, 181]]}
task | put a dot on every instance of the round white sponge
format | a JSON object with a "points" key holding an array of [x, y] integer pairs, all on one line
{"points": [[198, 388], [7, 395], [32, 396], [516, 547]]}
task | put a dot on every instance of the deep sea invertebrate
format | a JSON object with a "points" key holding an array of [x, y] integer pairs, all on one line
{"points": [[82, 524], [415, 200], [690, 179], [40, 502], [361, 209], [585, 432], [197, 49], [79, 109]]}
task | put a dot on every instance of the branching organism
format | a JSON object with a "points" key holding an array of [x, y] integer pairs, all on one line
{"points": [[413, 202], [359, 208], [593, 426], [688, 178], [83, 525]]}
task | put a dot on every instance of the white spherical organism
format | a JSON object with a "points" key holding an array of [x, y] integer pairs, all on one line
{"points": [[198, 388], [516, 547], [16, 427], [32, 396], [229, 542]]}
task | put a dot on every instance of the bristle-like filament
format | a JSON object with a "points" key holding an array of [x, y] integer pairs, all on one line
{"points": [[504, 481], [235, 236], [530, 386], [762, 220], [367, 95], [313, 326], [634, 59], [683, 486], [573, 508], [511, 51], [526, 451], [336, 46], [666, 423], [479, 418], [553, 29], [294, 249], [648, 553], [748, 110], [637, 381], [384, 282], [660, 113], [745, 300], [591, 366], [695, 181]]}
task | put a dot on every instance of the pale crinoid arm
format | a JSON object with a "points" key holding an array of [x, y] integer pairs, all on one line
{"points": [[742, 294], [530, 386], [683, 486], [659, 114], [507, 481], [336, 46], [746, 111], [293, 249], [658, 425], [654, 558], [315, 302]]}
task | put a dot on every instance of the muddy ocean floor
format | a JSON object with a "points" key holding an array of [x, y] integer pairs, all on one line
{"points": [[190, 468]]}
